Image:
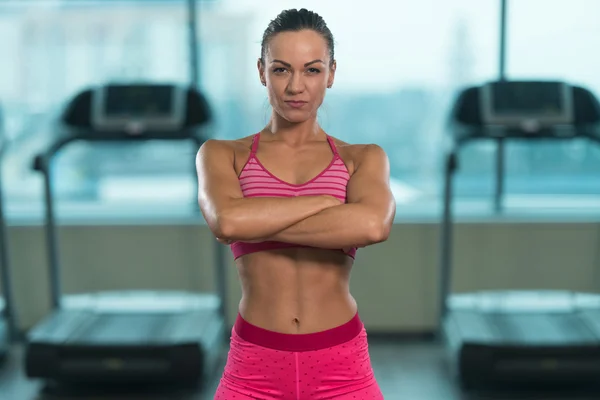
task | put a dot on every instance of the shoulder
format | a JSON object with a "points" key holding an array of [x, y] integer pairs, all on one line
{"points": [[357, 154], [224, 147]]}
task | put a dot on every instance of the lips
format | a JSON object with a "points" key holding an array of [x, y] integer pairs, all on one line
{"points": [[296, 103]]}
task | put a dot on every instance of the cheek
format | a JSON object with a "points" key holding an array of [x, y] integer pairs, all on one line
{"points": [[276, 85], [317, 91], [319, 84], [275, 93]]}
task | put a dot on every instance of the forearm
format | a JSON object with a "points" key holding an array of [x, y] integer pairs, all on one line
{"points": [[255, 218], [347, 225]]}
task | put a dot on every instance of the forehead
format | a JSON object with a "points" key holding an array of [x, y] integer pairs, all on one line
{"points": [[298, 47]]}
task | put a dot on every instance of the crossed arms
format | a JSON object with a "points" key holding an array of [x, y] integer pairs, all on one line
{"points": [[319, 221]]}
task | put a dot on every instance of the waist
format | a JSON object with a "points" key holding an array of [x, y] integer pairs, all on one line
{"points": [[298, 342], [240, 249]]}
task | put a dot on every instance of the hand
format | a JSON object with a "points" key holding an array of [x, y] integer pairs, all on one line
{"points": [[334, 201], [228, 242], [224, 241]]}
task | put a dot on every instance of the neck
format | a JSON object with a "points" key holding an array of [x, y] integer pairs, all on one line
{"points": [[293, 133]]}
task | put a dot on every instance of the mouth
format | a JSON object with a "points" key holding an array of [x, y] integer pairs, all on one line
{"points": [[296, 104]]}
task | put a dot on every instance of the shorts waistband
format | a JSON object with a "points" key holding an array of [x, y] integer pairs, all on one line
{"points": [[298, 342]]}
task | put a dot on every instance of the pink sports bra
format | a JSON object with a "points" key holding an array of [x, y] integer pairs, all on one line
{"points": [[257, 181]]}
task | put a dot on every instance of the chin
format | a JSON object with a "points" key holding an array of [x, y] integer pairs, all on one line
{"points": [[296, 119], [296, 116]]}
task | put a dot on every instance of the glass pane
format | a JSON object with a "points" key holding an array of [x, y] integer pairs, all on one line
{"points": [[399, 66], [562, 45], [58, 48], [396, 78]]}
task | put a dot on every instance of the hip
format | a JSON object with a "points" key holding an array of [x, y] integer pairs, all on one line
{"points": [[351, 331], [326, 364]]}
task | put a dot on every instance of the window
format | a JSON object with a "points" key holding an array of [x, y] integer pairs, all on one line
{"points": [[400, 63], [59, 48], [561, 45]]}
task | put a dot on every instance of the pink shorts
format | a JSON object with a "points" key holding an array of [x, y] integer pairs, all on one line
{"points": [[266, 365]]}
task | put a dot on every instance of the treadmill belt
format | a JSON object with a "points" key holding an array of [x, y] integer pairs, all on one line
{"points": [[559, 328], [123, 329]]}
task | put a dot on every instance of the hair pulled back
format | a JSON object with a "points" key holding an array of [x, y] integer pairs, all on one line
{"points": [[295, 20]]}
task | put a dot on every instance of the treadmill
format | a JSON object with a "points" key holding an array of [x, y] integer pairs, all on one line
{"points": [[127, 337], [508, 339], [8, 324]]}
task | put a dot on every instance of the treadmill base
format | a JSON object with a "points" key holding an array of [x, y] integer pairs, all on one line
{"points": [[153, 338], [524, 339]]}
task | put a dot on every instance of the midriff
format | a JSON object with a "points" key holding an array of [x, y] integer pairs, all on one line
{"points": [[296, 291]]}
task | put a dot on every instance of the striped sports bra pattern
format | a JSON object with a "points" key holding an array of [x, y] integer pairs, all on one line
{"points": [[258, 181]]}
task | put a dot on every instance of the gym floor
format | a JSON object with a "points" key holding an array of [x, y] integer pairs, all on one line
{"points": [[405, 369]]}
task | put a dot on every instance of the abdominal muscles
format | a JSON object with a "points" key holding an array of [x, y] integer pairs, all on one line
{"points": [[296, 291]]}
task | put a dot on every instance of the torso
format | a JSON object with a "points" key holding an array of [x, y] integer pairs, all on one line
{"points": [[295, 290]]}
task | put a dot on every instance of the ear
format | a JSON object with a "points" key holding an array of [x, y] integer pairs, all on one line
{"points": [[331, 77], [261, 72]]}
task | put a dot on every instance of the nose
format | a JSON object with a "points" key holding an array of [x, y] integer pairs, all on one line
{"points": [[295, 84]]}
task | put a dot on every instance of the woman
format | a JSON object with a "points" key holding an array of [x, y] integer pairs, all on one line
{"points": [[294, 204]]}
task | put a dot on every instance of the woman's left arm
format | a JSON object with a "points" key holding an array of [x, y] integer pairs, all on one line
{"points": [[365, 219]]}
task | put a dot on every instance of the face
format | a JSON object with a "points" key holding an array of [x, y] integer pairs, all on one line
{"points": [[297, 72]]}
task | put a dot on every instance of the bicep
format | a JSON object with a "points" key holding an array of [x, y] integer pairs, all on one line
{"points": [[370, 183], [218, 183]]}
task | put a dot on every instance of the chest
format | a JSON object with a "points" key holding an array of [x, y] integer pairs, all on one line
{"points": [[298, 167], [295, 166]]}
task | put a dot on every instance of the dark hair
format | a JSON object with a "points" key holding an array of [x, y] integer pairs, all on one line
{"points": [[294, 20]]}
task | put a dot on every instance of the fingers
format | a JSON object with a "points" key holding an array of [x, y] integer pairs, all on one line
{"points": [[228, 242]]}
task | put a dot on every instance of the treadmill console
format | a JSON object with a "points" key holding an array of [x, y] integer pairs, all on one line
{"points": [[137, 108], [527, 105]]}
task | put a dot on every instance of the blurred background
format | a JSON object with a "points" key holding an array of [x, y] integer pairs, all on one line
{"points": [[400, 63], [128, 213]]}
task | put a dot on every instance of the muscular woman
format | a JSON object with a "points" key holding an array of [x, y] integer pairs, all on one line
{"points": [[294, 204]]}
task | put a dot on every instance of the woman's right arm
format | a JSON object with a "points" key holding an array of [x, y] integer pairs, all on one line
{"points": [[232, 217]]}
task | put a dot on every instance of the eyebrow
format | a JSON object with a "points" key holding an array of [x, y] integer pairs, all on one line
{"points": [[290, 65]]}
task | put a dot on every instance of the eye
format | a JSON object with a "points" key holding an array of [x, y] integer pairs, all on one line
{"points": [[314, 70], [279, 70]]}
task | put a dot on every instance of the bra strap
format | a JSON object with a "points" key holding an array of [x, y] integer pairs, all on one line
{"points": [[255, 140], [332, 145]]}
